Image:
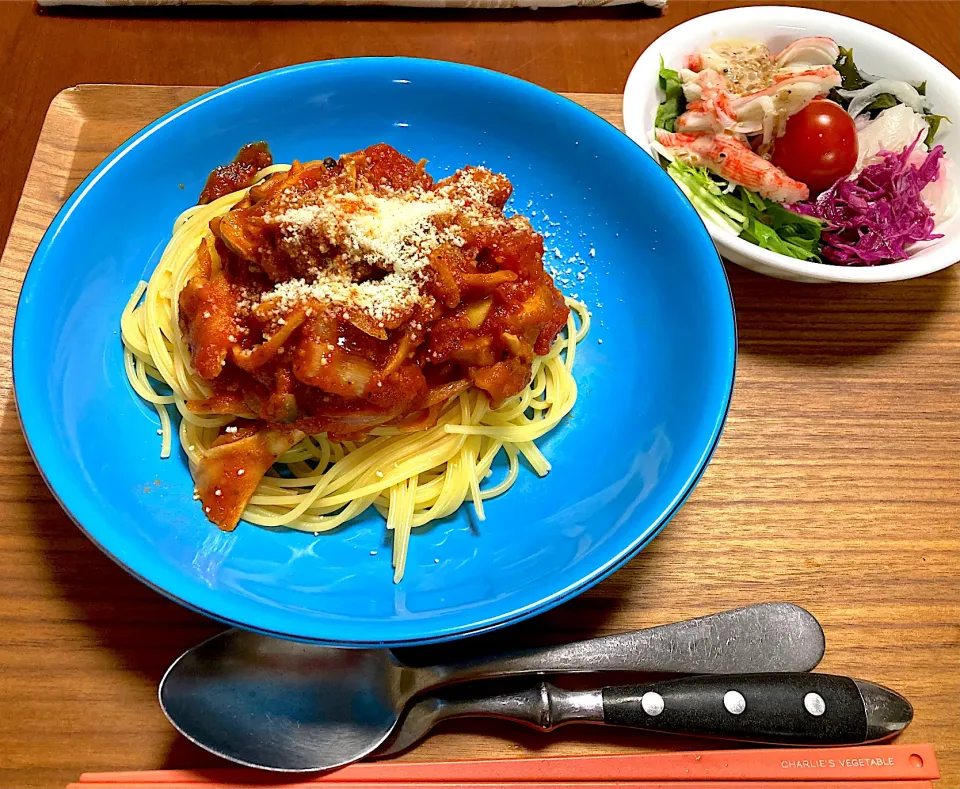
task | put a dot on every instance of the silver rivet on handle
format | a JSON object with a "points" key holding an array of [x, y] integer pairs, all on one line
{"points": [[734, 702], [652, 703], [814, 704]]}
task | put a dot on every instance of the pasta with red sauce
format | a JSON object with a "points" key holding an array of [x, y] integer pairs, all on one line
{"points": [[349, 333]]}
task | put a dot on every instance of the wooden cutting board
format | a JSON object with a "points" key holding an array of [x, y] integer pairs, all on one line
{"points": [[836, 486]]}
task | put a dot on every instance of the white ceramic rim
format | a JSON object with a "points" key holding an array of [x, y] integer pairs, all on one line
{"points": [[939, 256]]}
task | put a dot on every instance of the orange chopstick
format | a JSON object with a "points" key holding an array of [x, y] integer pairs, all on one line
{"points": [[855, 764], [542, 785]]}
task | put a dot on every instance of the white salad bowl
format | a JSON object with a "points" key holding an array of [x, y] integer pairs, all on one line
{"points": [[876, 52]]}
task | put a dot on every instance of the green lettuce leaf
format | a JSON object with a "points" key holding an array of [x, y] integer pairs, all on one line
{"points": [[674, 102], [752, 217]]}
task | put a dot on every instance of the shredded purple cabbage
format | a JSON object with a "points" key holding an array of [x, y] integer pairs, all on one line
{"points": [[874, 217]]}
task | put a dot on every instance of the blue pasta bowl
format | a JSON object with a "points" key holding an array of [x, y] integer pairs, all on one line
{"points": [[655, 374]]}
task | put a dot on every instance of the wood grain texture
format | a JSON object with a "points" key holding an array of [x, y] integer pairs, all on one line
{"points": [[835, 486]]}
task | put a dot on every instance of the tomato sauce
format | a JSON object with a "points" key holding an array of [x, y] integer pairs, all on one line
{"points": [[232, 177], [291, 365]]}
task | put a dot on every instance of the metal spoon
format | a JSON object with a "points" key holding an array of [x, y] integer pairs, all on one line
{"points": [[863, 711], [287, 706]]}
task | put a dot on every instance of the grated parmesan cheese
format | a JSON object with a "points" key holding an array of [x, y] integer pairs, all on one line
{"points": [[395, 231]]}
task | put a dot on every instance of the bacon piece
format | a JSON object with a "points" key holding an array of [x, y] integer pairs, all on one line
{"points": [[232, 177], [478, 185], [385, 166]]}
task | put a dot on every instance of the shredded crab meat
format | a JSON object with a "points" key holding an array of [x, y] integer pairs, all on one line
{"points": [[739, 88]]}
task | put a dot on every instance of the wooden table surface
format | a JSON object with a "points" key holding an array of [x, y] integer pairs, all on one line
{"points": [[835, 486]]}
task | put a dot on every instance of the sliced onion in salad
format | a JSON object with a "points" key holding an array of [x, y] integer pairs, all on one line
{"points": [[892, 130], [904, 92]]}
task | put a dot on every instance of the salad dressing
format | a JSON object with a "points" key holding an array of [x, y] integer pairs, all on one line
{"points": [[746, 64]]}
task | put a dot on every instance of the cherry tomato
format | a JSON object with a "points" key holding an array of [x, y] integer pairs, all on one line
{"points": [[819, 145]]}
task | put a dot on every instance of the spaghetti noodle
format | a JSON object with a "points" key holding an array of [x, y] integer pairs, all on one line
{"points": [[316, 481]]}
